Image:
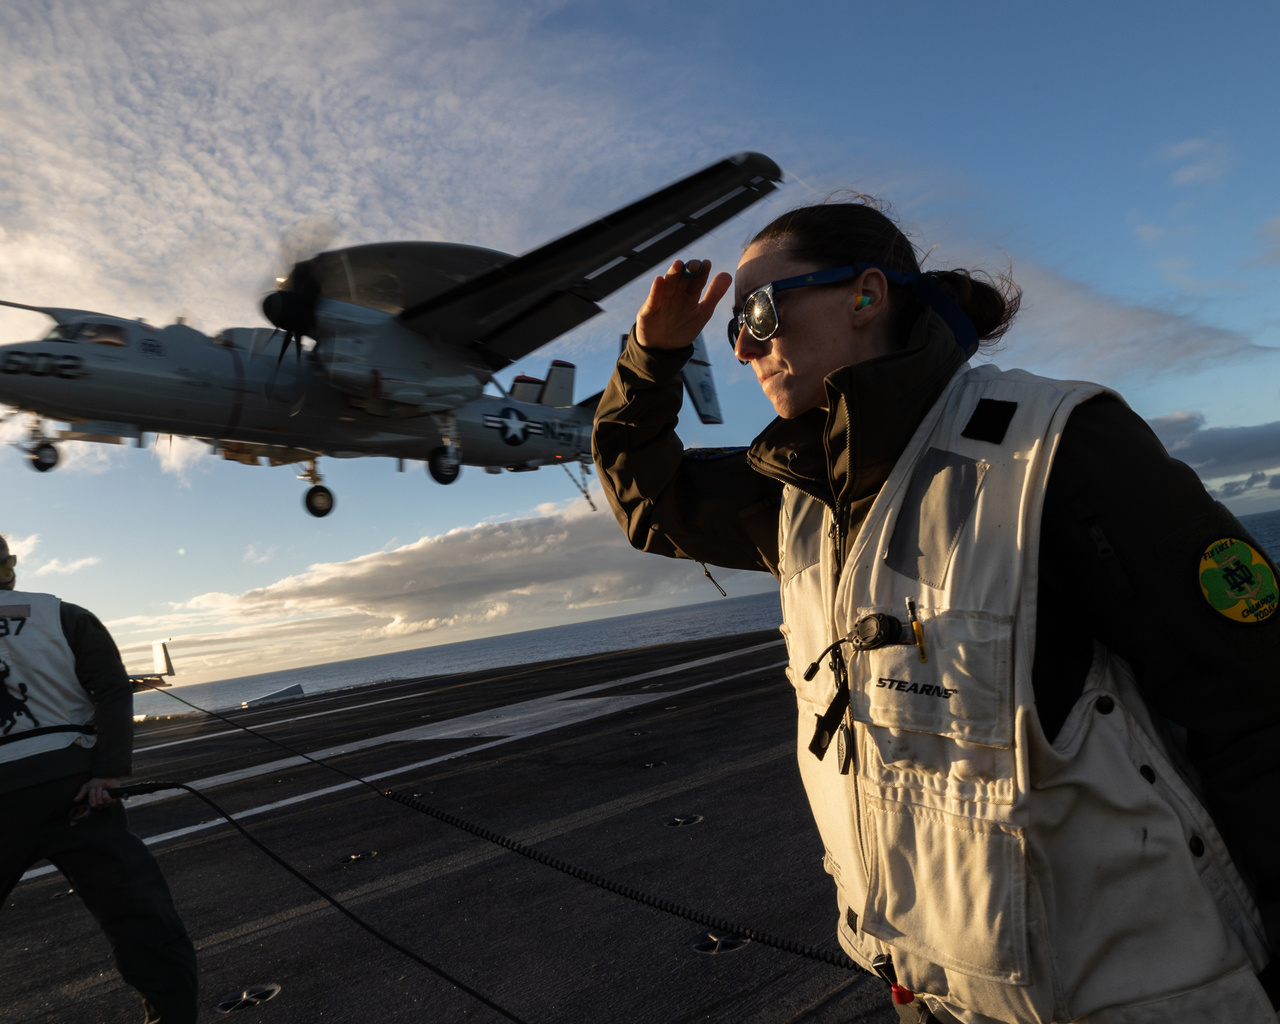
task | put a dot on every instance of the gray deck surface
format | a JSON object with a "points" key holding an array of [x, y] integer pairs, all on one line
{"points": [[595, 792]]}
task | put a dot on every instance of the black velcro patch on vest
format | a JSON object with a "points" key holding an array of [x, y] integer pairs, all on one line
{"points": [[990, 420]]}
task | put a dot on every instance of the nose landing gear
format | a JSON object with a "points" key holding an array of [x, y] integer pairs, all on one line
{"points": [[445, 462], [443, 465], [44, 457], [39, 448], [319, 499]]}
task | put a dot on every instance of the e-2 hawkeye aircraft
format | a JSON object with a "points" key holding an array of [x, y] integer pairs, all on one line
{"points": [[405, 337]]}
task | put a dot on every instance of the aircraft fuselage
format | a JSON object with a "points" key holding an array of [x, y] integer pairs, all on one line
{"points": [[110, 377]]}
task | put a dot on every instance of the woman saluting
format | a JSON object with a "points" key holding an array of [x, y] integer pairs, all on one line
{"points": [[1035, 663]]}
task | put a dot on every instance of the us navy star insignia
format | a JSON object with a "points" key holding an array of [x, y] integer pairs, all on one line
{"points": [[514, 426]]}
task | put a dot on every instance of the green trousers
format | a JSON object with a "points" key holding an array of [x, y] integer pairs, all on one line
{"points": [[118, 880]]}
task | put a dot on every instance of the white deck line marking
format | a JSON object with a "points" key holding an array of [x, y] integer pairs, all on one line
{"points": [[524, 718], [278, 721], [533, 726]]}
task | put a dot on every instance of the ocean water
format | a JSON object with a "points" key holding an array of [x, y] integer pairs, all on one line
{"points": [[693, 622], [1265, 527], [712, 618]]}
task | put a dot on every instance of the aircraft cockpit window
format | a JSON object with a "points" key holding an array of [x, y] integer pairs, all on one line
{"points": [[64, 332], [106, 334]]}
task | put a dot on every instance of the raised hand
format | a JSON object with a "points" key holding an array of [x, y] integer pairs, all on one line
{"points": [[676, 309]]}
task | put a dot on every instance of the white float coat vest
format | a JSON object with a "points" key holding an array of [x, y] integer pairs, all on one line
{"points": [[43, 707], [1010, 878]]}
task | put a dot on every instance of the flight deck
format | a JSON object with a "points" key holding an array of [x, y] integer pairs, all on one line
{"points": [[670, 769]]}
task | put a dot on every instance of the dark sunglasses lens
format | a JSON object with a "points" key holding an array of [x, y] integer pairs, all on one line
{"points": [[735, 327], [760, 316]]}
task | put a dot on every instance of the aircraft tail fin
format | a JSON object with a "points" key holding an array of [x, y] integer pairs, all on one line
{"points": [[162, 665], [160, 659], [697, 379], [702, 389], [558, 389]]}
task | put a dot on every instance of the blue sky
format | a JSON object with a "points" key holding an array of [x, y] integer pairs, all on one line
{"points": [[1121, 158]]}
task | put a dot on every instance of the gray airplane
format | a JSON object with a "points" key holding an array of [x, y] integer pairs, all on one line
{"points": [[402, 339]]}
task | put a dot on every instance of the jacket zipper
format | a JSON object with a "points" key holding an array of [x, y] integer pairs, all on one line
{"points": [[838, 666], [842, 671]]}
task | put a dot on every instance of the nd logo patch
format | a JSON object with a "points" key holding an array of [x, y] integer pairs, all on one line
{"points": [[1237, 582]]}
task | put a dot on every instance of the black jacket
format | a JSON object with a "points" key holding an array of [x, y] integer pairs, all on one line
{"points": [[1124, 530]]}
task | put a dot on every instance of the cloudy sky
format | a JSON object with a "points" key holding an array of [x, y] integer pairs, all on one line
{"points": [[153, 155]]}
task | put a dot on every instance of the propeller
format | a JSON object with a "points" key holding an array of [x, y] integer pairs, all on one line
{"points": [[291, 308]]}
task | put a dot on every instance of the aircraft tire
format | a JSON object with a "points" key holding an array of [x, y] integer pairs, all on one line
{"points": [[443, 469], [44, 457], [319, 501]]}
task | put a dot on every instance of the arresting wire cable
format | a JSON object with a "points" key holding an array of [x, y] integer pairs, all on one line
{"points": [[763, 938]]}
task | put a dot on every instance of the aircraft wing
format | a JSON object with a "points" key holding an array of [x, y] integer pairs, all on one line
{"points": [[512, 309]]}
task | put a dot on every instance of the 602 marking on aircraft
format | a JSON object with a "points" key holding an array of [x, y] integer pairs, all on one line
{"points": [[405, 337]]}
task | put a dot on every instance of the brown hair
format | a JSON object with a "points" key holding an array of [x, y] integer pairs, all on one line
{"points": [[841, 233]]}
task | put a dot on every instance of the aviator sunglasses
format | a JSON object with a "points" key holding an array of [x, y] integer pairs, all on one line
{"points": [[759, 311]]}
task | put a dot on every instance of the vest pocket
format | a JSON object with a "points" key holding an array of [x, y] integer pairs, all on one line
{"points": [[963, 692], [949, 889], [944, 726], [946, 882]]}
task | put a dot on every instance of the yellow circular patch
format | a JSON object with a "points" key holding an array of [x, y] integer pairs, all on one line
{"points": [[1237, 582]]}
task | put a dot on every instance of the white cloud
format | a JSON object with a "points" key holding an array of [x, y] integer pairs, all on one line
{"points": [[256, 555], [1068, 328], [57, 567], [181, 456], [142, 179], [494, 577], [88, 458], [1198, 160], [22, 546]]}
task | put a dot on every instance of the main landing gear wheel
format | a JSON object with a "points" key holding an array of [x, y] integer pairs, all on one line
{"points": [[319, 500], [443, 466], [44, 457]]}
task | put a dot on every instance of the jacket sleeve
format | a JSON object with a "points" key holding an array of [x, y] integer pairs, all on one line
{"points": [[1125, 528], [706, 505], [101, 673]]}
